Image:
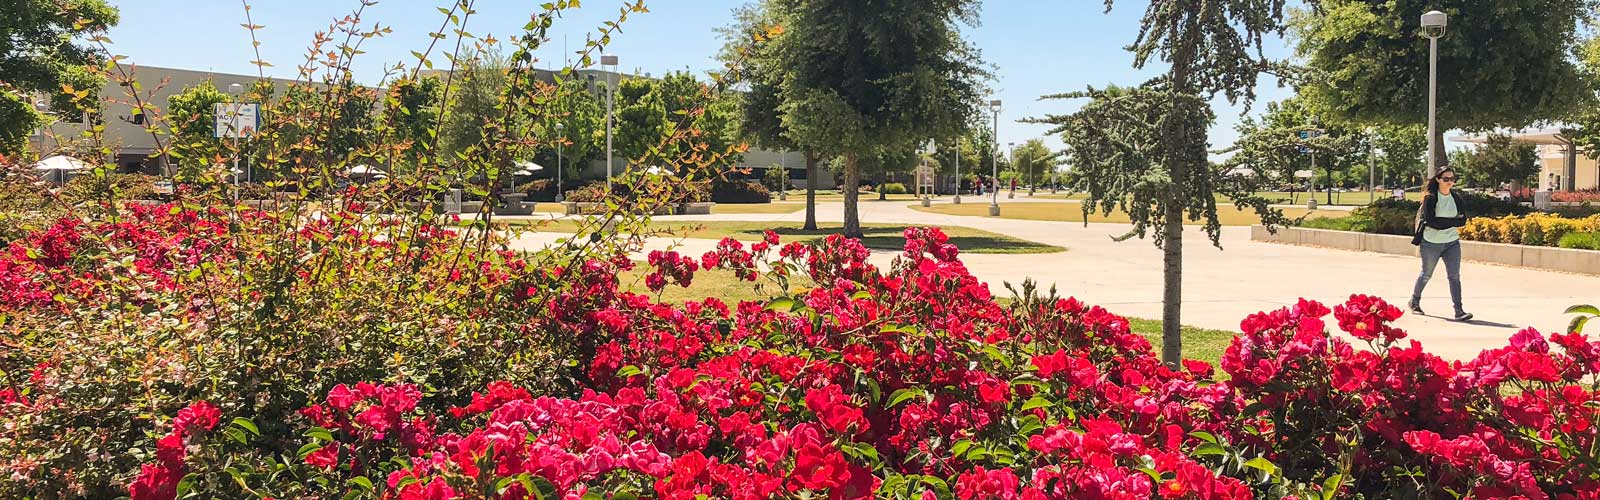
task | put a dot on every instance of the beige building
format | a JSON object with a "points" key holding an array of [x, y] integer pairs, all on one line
{"points": [[134, 149], [1563, 167]]}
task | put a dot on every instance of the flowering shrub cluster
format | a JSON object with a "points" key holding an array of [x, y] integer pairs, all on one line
{"points": [[1537, 229], [911, 381]]}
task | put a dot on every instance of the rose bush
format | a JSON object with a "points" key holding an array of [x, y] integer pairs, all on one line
{"points": [[897, 382]]}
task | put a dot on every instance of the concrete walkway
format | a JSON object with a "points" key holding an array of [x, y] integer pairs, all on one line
{"points": [[1222, 286]]}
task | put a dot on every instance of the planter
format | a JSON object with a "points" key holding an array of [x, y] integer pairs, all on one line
{"points": [[590, 208], [511, 204], [1533, 257], [696, 208]]}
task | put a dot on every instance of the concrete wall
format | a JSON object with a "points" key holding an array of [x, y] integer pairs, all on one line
{"points": [[1535, 257]]}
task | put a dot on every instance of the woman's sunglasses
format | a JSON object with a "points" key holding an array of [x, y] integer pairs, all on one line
{"points": [[1447, 179]]}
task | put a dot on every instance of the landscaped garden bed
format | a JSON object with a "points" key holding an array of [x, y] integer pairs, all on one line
{"points": [[148, 356]]}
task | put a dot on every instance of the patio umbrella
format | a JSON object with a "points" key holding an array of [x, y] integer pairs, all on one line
{"points": [[524, 168], [57, 166], [656, 170], [364, 170]]}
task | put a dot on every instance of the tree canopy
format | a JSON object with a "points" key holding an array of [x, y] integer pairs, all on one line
{"points": [[858, 78], [41, 52], [1143, 150], [1501, 63]]}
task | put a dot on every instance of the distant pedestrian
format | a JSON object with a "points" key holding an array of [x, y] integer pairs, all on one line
{"points": [[1437, 238]]}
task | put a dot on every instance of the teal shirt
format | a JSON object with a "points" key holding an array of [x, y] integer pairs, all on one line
{"points": [[1446, 208]]}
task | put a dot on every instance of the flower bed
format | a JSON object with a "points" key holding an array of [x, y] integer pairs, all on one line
{"points": [[908, 381], [1536, 229]]}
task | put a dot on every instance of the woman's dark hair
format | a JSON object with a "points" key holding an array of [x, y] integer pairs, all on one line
{"points": [[1433, 182]]}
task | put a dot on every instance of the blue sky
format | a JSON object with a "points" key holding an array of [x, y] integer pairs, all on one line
{"points": [[1038, 46]]}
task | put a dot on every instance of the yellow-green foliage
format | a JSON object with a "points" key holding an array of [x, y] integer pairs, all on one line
{"points": [[1535, 229]]}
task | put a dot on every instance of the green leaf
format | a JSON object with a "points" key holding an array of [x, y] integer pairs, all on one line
{"points": [[1584, 309], [629, 371], [960, 448], [362, 481], [1331, 486], [542, 488], [246, 424], [1262, 465], [1203, 436], [902, 395], [186, 485], [781, 304], [308, 449], [320, 434], [1209, 449], [1037, 402]]}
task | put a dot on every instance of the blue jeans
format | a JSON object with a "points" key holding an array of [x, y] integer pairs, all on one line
{"points": [[1432, 253]]}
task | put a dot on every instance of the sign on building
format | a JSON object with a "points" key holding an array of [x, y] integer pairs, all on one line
{"points": [[237, 120]]}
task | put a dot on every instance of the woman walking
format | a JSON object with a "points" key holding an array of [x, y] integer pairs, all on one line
{"points": [[1438, 239]]}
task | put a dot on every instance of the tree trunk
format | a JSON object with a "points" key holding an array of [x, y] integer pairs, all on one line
{"points": [[881, 195], [811, 191], [1172, 288], [852, 196]]}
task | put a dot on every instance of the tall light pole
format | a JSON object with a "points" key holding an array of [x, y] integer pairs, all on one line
{"points": [[958, 170], [561, 141], [609, 60], [1433, 24], [235, 91], [1011, 153], [994, 176]]}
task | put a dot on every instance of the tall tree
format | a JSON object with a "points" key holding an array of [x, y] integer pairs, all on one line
{"points": [[746, 42], [1500, 160], [641, 119], [1502, 63], [192, 115], [40, 53], [473, 101], [862, 77], [581, 115], [1292, 137], [1143, 150], [413, 108]]}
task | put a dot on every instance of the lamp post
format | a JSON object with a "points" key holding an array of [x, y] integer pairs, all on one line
{"points": [[994, 175], [235, 91], [609, 60], [958, 171], [560, 142], [1433, 24], [1011, 152]]}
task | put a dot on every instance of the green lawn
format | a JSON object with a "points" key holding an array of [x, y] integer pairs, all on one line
{"points": [[776, 207], [1199, 343], [877, 236], [1070, 212]]}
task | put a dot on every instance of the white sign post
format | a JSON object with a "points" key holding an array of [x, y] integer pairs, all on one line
{"points": [[236, 120]]}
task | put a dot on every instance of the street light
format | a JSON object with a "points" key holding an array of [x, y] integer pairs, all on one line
{"points": [[234, 92], [1011, 152], [958, 170], [1433, 24], [609, 60], [994, 176], [561, 141]]}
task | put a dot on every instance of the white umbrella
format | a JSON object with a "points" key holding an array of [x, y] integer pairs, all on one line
{"points": [[527, 168], [655, 170], [60, 162], [56, 167], [366, 170]]}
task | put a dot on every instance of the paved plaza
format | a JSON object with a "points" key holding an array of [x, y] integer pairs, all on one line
{"points": [[1222, 286]]}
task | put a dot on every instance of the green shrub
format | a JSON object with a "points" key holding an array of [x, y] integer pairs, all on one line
{"points": [[1582, 241], [1351, 223], [740, 192], [892, 188]]}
